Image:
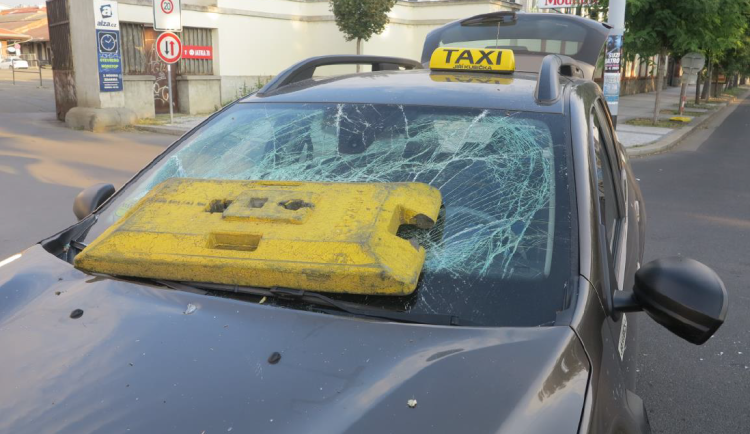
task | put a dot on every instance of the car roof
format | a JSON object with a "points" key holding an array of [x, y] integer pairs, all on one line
{"points": [[514, 91]]}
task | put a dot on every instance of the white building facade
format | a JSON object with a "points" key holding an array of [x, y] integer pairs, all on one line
{"points": [[250, 41]]}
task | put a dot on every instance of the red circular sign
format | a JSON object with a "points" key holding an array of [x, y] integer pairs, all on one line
{"points": [[167, 6], [169, 47]]}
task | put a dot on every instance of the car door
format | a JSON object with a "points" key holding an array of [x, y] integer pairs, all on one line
{"points": [[614, 195]]}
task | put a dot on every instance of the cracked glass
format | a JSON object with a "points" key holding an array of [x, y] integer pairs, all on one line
{"points": [[500, 253]]}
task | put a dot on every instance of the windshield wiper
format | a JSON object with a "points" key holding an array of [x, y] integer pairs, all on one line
{"points": [[362, 310], [317, 299], [309, 297]]}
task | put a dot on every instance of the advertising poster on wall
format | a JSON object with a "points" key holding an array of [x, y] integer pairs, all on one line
{"points": [[611, 85], [107, 26]]}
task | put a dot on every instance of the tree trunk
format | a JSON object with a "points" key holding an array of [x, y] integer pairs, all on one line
{"points": [[707, 84], [359, 51], [716, 87], [698, 88], [659, 82], [719, 88]]}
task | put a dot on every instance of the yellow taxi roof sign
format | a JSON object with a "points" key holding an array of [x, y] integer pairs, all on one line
{"points": [[473, 59]]}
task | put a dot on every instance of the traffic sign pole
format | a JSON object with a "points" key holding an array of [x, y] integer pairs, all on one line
{"points": [[169, 86], [683, 96], [169, 49]]}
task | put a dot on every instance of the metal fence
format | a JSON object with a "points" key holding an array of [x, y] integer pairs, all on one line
{"points": [[134, 56]]}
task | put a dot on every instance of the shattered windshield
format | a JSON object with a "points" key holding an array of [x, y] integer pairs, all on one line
{"points": [[500, 253]]}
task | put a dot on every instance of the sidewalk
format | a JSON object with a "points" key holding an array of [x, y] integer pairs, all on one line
{"points": [[637, 139], [646, 140], [642, 106]]}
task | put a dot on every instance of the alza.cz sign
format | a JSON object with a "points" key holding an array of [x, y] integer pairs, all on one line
{"points": [[551, 4]]}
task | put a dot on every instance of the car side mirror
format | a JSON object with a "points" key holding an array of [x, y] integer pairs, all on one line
{"points": [[681, 294], [91, 198]]}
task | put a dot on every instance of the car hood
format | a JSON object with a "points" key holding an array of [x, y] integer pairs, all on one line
{"points": [[147, 359]]}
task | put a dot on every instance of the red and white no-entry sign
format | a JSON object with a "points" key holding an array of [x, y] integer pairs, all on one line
{"points": [[169, 47]]}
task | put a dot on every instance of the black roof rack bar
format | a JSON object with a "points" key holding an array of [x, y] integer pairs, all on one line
{"points": [[306, 68], [553, 66]]}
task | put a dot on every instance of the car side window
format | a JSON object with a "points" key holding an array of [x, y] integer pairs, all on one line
{"points": [[616, 156], [606, 184]]}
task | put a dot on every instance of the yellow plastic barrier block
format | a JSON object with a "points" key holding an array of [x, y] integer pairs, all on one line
{"points": [[328, 237]]}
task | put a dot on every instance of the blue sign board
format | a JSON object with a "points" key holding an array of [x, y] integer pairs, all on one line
{"points": [[110, 61]]}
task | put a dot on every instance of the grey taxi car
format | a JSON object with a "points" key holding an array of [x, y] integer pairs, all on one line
{"points": [[523, 317]]}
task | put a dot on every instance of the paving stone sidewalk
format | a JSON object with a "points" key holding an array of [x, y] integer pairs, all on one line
{"points": [[642, 106]]}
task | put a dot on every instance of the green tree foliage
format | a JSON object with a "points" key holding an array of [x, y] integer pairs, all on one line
{"points": [[599, 10], [737, 59], [360, 19], [728, 49], [661, 27]]}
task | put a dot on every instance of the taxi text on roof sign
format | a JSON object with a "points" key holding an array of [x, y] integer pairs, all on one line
{"points": [[329, 237], [473, 59]]}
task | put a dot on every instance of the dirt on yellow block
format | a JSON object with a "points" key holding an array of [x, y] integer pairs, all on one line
{"points": [[328, 237]]}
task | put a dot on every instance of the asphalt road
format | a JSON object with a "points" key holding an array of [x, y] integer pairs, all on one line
{"points": [[698, 205], [44, 165], [697, 201]]}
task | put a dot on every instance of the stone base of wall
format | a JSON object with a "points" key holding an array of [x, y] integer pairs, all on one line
{"points": [[99, 119], [198, 94]]}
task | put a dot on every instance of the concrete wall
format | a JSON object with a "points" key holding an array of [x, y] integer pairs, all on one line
{"points": [[85, 61], [139, 94], [199, 94], [234, 87]]}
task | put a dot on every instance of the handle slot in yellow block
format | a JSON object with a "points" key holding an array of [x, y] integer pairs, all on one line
{"points": [[236, 241]]}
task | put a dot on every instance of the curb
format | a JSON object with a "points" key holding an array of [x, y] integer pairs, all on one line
{"points": [[675, 137], [162, 129]]}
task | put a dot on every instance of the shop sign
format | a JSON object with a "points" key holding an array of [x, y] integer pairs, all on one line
{"points": [[197, 52], [551, 4], [109, 62]]}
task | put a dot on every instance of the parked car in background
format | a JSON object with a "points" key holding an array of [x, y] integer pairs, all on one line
{"points": [[13, 62]]}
